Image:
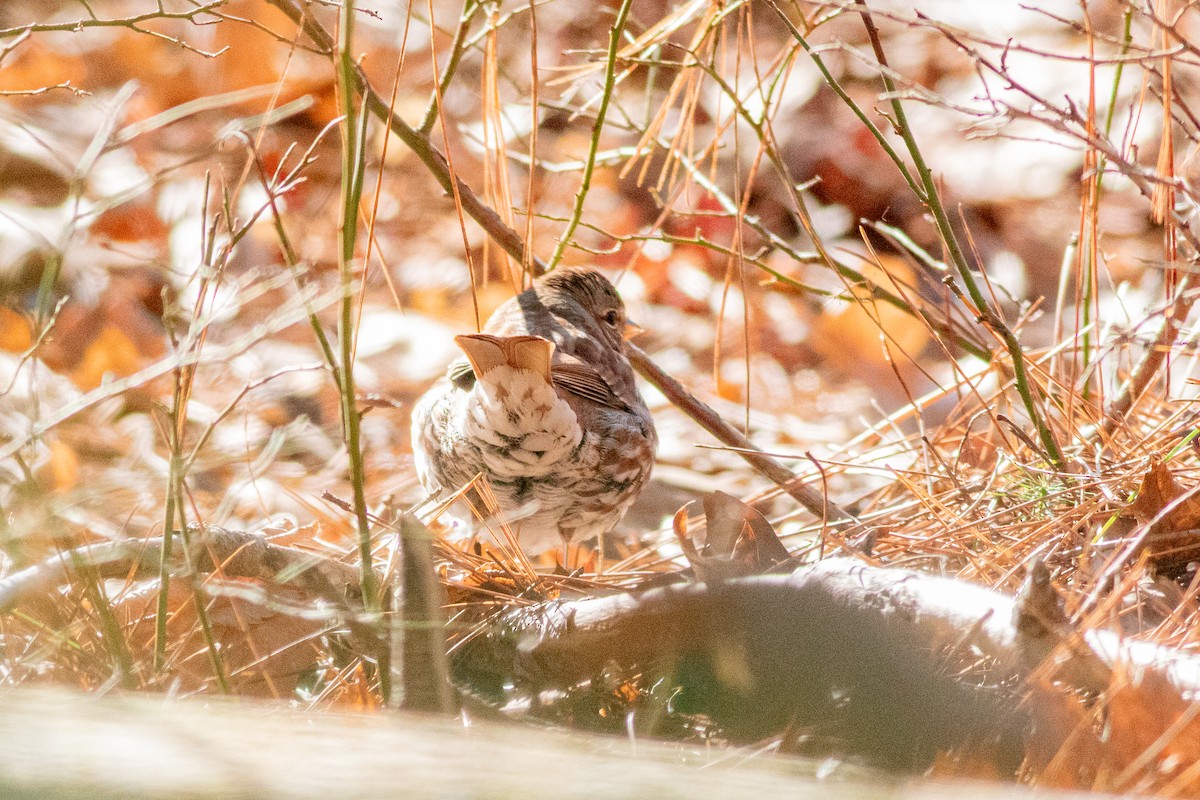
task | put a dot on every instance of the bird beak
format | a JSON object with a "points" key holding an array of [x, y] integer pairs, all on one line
{"points": [[632, 329]]}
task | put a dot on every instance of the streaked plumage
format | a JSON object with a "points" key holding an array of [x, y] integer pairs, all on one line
{"points": [[544, 404]]}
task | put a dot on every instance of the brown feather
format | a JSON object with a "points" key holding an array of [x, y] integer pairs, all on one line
{"points": [[582, 380], [530, 353]]}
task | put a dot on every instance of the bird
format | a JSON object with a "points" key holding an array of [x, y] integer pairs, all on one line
{"points": [[544, 407]]}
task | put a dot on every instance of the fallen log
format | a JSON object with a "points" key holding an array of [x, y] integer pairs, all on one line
{"points": [[836, 603], [874, 652], [875, 659]]}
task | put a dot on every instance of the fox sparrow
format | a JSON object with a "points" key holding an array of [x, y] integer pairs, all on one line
{"points": [[544, 406]]}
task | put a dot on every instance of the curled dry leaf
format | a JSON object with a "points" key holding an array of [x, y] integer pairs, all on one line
{"points": [[739, 540], [1173, 514], [1161, 500], [1142, 737]]}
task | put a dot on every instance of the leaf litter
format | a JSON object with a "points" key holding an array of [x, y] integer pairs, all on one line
{"points": [[873, 406]]}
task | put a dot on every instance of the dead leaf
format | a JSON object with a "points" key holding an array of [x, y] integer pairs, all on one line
{"points": [[16, 334], [131, 222], [1142, 737], [1173, 513], [241, 64], [37, 64], [739, 541], [112, 352], [1159, 490], [979, 450], [1062, 748], [1149, 720], [60, 470]]}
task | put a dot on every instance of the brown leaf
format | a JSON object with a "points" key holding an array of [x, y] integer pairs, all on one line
{"points": [[848, 335], [1142, 710], [1160, 489], [241, 64], [1173, 513], [60, 471], [131, 222], [112, 351], [755, 542], [979, 451], [1144, 737], [740, 541], [16, 334], [36, 64], [680, 526], [1062, 748]]}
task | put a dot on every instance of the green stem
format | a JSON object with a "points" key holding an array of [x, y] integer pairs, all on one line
{"points": [[110, 629], [833, 84], [1090, 289], [1110, 113], [589, 166], [293, 262], [162, 608], [457, 49], [201, 602], [987, 315], [354, 129]]}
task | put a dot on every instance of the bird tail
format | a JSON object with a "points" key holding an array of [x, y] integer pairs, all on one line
{"points": [[530, 353]]}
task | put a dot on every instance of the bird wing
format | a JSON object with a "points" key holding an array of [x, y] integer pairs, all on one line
{"points": [[567, 372], [460, 373], [582, 379]]}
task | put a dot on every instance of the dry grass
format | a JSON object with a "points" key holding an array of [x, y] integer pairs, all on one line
{"points": [[180, 312]]}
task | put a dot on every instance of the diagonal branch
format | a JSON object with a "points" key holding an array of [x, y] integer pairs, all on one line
{"points": [[512, 243]]}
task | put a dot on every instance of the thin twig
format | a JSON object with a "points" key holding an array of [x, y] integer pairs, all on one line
{"points": [[589, 164], [987, 314], [513, 244], [354, 137], [457, 48], [711, 421]]}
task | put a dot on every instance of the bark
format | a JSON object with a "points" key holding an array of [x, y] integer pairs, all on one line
{"points": [[871, 656]]}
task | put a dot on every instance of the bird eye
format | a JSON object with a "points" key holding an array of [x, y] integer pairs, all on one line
{"points": [[612, 317]]}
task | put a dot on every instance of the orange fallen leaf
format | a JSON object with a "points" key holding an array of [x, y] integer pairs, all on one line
{"points": [[16, 334], [1153, 736], [131, 222], [1161, 499], [1141, 737], [60, 471], [112, 352], [37, 64], [1062, 748]]}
